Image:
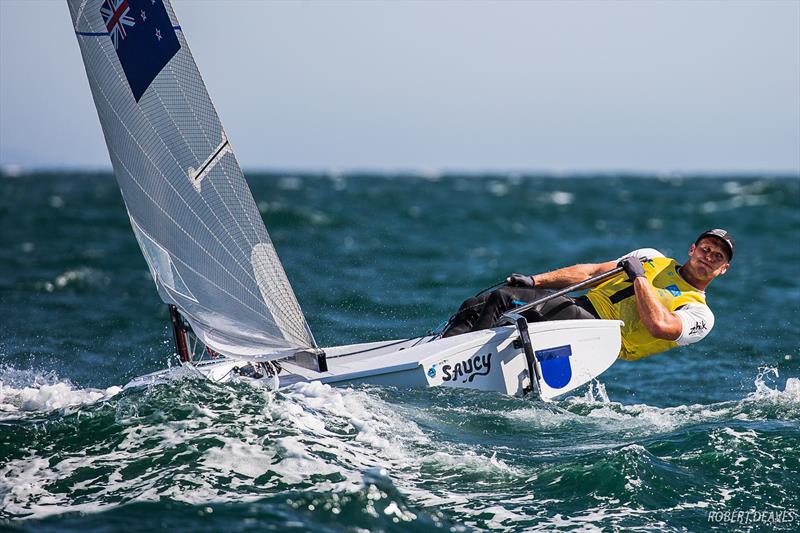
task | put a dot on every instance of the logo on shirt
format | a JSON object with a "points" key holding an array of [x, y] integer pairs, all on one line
{"points": [[698, 327], [669, 290], [673, 290]]}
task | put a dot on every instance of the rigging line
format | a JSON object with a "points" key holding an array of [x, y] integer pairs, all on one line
{"points": [[420, 339], [228, 373], [393, 343], [502, 282], [149, 158], [194, 345]]}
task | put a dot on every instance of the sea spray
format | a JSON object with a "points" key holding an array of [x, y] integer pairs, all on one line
{"points": [[32, 391]]}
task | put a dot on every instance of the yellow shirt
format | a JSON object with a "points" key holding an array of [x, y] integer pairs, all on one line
{"points": [[615, 300]]}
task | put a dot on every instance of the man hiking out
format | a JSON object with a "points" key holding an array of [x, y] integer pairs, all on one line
{"points": [[661, 302]]}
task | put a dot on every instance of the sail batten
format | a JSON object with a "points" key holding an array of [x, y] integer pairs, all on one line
{"points": [[191, 210]]}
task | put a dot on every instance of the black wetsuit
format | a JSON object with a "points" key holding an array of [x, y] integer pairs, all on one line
{"points": [[481, 312]]}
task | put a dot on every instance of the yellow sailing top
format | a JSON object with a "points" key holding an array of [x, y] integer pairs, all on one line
{"points": [[615, 299]]}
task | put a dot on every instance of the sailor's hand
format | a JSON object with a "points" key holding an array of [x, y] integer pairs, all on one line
{"points": [[633, 267], [519, 280]]}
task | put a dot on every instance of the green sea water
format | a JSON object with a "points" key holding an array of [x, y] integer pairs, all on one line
{"points": [[705, 437]]}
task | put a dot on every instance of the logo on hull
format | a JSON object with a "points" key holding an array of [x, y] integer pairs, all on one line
{"points": [[469, 369]]}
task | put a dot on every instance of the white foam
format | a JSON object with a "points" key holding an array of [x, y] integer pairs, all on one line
{"points": [[792, 389], [498, 188], [470, 460], [562, 197], [76, 277], [540, 418], [351, 437], [646, 419], [28, 390], [290, 183], [12, 170], [790, 393], [247, 459]]}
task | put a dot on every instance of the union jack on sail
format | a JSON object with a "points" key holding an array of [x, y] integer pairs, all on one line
{"points": [[116, 17]]}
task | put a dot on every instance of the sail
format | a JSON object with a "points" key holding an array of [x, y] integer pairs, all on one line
{"points": [[188, 202]]}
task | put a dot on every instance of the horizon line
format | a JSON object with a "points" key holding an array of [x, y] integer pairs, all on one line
{"points": [[15, 170]]}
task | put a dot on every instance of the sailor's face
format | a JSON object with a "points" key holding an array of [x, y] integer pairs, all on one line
{"points": [[708, 259]]}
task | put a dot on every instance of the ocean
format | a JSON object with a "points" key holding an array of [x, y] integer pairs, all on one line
{"points": [[705, 437]]}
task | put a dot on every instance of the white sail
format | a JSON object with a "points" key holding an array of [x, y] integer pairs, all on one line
{"points": [[189, 204]]}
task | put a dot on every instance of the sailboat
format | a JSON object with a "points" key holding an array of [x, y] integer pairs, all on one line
{"points": [[234, 314]]}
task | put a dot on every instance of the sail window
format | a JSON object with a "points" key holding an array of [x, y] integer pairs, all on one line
{"points": [[161, 266]]}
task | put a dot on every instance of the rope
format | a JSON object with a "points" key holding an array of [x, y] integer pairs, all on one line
{"points": [[365, 350]]}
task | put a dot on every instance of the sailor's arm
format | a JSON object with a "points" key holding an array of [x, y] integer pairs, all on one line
{"points": [[659, 321], [571, 275]]}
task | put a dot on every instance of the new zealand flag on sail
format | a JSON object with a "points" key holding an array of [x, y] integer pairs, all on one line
{"points": [[143, 37]]}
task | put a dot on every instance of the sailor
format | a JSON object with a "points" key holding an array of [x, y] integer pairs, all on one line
{"points": [[661, 302]]}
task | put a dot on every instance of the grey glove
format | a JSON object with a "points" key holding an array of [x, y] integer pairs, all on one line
{"points": [[633, 267], [519, 280]]}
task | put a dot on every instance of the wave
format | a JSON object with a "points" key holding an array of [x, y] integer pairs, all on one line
{"points": [[424, 458], [74, 279], [30, 391]]}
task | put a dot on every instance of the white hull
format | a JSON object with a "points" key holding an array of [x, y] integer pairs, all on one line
{"points": [[568, 354]]}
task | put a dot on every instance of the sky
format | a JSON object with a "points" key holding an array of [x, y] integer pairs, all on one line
{"points": [[445, 86]]}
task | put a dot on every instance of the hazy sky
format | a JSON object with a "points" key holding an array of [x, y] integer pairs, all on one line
{"points": [[709, 86]]}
